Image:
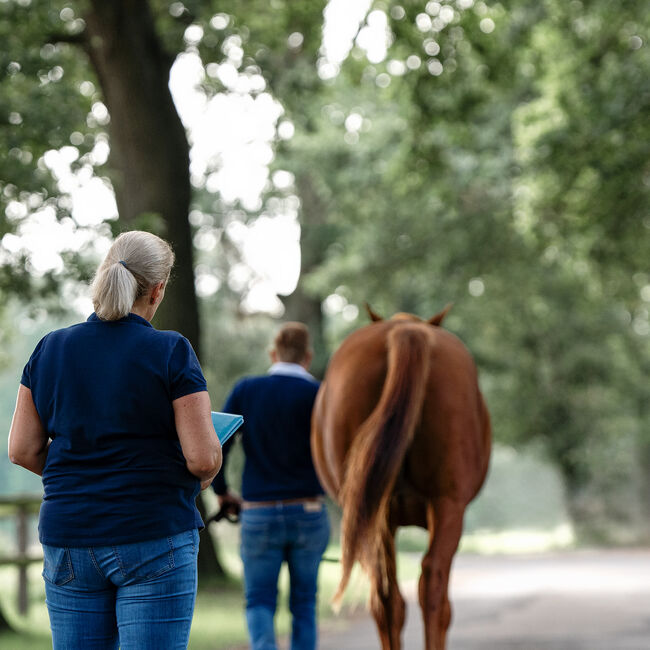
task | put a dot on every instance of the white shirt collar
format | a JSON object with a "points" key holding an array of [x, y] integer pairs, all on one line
{"points": [[291, 369]]}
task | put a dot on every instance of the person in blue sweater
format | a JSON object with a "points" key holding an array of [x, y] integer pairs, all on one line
{"points": [[283, 514]]}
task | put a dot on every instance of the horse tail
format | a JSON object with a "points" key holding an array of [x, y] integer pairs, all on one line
{"points": [[378, 451]]}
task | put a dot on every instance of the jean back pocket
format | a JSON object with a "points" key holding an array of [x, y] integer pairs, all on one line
{"points": [[57, 565]]}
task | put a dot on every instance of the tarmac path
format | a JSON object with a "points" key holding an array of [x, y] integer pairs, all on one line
{"points": [[586, 600]]}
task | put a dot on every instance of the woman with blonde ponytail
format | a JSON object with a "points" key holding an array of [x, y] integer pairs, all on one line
{"points": [[136, 263], [115, 416]]}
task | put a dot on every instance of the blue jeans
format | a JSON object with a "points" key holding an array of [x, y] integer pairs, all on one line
{"points": [[140, 596], [296, 534]]}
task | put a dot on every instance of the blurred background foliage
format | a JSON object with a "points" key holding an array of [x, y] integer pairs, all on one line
{"points": [[497, 156]]}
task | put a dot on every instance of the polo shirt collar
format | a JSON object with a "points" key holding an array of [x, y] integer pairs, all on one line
{"points": [[129, 318], [291, 369]]}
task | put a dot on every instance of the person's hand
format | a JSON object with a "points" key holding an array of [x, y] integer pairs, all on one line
{"points": [[207, 483], [230, 503]]}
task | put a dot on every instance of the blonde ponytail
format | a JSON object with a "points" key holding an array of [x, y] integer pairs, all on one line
{"points": [[136, 262]]}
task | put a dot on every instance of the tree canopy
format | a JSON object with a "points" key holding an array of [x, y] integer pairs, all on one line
{"points": [[494, 156]]}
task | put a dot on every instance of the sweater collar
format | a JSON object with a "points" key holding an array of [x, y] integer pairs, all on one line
{"points": [[290, 369]]}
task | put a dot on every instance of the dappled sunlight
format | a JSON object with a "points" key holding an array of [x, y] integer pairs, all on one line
{"points": [[231, 133], [43, 238], [270, 248], [341, 24], [519, 541]]}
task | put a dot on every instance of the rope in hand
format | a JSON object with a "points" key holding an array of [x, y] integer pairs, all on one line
{"points": [[224, 513]]}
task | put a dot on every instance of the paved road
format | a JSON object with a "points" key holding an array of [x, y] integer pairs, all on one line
{"points": [[577, 601]]}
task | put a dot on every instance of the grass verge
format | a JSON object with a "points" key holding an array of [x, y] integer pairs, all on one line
{"points": [[219, 621]]}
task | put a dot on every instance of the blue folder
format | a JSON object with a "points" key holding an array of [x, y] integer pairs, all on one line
{"points": [[225, 424]]}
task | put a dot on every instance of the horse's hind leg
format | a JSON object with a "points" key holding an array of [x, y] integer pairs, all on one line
{"points": [[445, 524], [386, 602]]}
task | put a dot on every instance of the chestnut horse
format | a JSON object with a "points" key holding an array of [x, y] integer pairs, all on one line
{"points": [[401, 437]]}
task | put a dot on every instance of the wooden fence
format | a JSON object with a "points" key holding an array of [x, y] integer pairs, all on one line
{"points": [[22, 507]]}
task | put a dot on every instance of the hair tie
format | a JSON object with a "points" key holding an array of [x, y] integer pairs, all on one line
{"points": [[123, 263]]}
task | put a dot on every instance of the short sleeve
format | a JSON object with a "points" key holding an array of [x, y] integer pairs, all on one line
{"points": [[232, 402], [27, 379], [185, 374]]}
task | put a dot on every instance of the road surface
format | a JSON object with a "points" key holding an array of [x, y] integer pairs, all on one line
{"points": [[587, 600]]}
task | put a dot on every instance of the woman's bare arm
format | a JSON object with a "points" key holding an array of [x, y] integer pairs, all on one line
{"points": [[199, 442], [28, 440]]}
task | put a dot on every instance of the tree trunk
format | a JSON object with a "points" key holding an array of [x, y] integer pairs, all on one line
{"points": [[208, 561], [149, 155], [300, 306], [286, 72], [4, 623], [314, 239], [149, 149], [644, 487]]}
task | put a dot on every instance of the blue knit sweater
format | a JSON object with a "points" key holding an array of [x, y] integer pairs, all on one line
{"points": [[277, 418]]}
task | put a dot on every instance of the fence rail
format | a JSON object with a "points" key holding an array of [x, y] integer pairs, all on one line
{"points": [[22, 507]]}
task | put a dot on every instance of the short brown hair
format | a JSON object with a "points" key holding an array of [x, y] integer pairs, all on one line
{"points": [[291, 343]]}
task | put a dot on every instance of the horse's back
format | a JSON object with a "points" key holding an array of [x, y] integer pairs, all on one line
{"points": [[450, 438], [450, 449]]}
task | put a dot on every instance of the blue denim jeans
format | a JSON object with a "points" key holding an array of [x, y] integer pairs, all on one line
{"points": [[138, 596], [296, 534]]}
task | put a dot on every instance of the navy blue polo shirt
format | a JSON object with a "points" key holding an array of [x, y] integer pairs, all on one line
{"points": [[275, 435], [115, 472]]}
